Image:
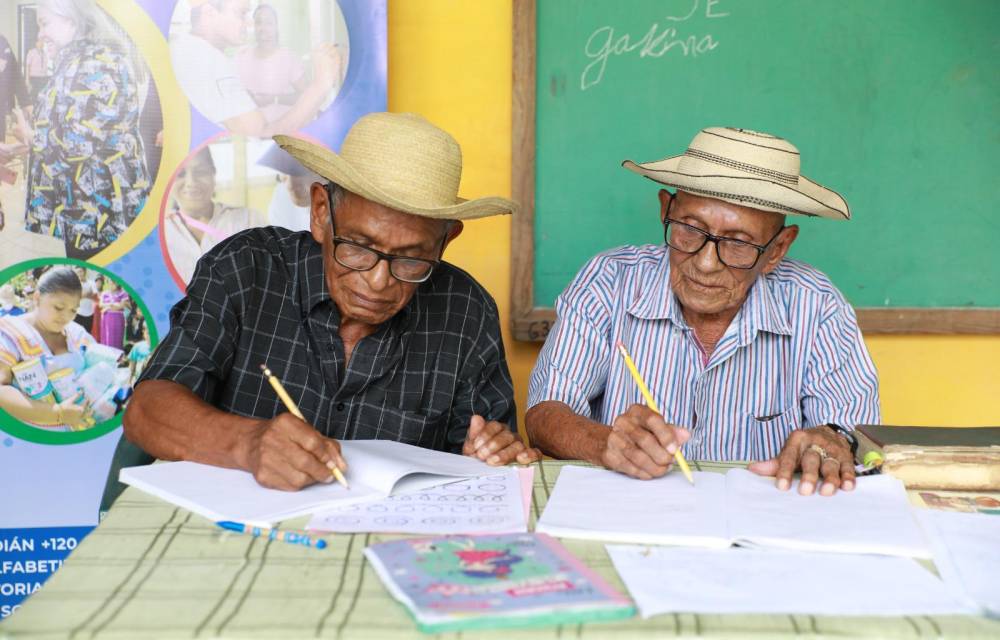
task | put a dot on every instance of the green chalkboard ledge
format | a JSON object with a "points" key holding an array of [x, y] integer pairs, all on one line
{"points": [[531, 323]]}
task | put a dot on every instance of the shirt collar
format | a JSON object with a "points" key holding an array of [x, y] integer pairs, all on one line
{"points": [[762, 312], [655, 300], [312, 278]]}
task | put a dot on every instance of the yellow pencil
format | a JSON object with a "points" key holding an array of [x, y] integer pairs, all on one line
{"points": [[294, 410], [678, 456]]}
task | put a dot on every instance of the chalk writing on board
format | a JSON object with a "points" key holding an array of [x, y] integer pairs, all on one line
{"points": [[657, 42]]}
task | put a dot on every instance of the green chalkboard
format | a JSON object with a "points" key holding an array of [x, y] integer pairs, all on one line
{"points": [[894, 103]]}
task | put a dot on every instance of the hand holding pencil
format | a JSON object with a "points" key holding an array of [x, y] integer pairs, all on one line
{"points": [[287, 453], [641, 443]]}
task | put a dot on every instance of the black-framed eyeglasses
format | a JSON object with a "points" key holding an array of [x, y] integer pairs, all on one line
{"points": [[731, 252], [356, 256]]}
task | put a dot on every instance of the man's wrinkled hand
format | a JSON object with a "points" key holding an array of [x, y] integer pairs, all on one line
{"points": [[815, 451], [495, 444], [641, 444], [289, 454]]}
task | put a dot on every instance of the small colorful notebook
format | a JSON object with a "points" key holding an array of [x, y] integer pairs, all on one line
{"points": [[485, 582]]}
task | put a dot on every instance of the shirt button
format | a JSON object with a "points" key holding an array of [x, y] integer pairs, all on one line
{"points": [[331, 347], [340, 406]]}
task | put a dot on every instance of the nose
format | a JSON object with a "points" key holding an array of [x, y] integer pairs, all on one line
{"points": [[379, 277], [707, 259]]}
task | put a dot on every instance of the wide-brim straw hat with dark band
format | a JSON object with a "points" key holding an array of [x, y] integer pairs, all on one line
{"points": [[747, 168], [401, 161]]}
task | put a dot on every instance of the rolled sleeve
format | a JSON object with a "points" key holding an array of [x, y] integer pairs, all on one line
{"points": [[485, 387], [840, 384], [198, 350], [573, 365]]}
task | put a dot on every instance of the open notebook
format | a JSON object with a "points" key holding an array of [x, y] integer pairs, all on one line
{"points": [[376, 468], [736, 508]]}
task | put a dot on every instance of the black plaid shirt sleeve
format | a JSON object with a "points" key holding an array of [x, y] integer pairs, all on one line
{"points": [[197, 352], [485, 386]]}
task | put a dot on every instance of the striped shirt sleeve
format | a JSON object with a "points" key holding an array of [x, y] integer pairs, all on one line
{"points": [[840, 385], [573, 365]]}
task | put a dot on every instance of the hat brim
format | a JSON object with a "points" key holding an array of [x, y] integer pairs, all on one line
{"points": [[331, 166], [807, 198]]}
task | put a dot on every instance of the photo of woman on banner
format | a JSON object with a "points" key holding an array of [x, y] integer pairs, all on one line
{"points": [[88, 177], [262, 89], [195, 220], [53, 373]]}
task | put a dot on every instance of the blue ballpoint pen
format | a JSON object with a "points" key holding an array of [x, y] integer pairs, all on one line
{"points": [[291, 537]]}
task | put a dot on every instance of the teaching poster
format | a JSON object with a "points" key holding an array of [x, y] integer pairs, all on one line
{"points": [[135, 135]]}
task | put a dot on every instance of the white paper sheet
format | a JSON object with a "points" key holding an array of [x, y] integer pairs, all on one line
{"points": [[596, 504], [736, 508], [376, 468], [670, 579], [487, 504], [873, 518], [966, 550]]}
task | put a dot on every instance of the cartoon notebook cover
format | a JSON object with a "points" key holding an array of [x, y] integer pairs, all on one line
{"points": [[462, 582]]}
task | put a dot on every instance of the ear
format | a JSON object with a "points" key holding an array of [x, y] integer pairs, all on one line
{"points": [[665, 199], [455, 230], [779, 248], [319, 214]]}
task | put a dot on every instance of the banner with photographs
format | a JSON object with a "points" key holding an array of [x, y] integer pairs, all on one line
{"points": [[135, 135]]}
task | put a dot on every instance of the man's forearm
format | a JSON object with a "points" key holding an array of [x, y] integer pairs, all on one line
{"points": [[559, 432], [170, 422]]}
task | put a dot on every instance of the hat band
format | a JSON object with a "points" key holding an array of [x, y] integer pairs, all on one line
{"points": [[742, 166], [743, 198]]}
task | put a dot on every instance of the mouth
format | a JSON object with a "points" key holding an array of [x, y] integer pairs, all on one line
{"points": [[369, 303], [703, 285]]}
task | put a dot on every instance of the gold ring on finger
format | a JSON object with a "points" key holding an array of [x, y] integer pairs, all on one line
{"points": [[820, 451]]}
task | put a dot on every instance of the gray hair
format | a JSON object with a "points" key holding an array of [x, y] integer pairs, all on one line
{"points": [[92, 23]]}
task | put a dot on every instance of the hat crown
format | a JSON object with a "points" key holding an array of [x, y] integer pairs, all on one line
{"points": [[407, 156], [745, 151]]}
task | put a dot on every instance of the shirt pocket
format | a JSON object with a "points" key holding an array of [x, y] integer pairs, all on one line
{"points": [[426, 429], [768, 429]]}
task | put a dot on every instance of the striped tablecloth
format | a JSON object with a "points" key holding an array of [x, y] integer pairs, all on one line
{"points": [[151, 570]]}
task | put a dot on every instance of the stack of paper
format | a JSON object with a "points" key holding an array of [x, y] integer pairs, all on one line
{"points": [[736, 508], [675, 579], [966, 549], [376, 469]]}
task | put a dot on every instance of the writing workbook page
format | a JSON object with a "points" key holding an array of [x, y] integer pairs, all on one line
{"points": [[394, 467], [229, 494], [487, 504], [873, 518], [596, 504]]}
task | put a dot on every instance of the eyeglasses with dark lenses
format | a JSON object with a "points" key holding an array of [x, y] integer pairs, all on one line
{"points": [[358, 257], [731, 252]]}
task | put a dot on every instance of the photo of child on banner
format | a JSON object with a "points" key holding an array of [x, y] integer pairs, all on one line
{"points": [[60, 370]]}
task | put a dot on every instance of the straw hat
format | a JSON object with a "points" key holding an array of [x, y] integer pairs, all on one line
{"points": [[747, 168], [402, 161]]}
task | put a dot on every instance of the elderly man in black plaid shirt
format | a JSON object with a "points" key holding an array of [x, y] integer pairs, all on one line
{"points": [[370, 332]]}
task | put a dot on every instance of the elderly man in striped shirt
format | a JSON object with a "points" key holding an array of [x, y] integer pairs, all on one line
{"points": [[751, 356]]}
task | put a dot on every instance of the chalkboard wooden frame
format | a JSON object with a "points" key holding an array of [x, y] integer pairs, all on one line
{"points": [[531, 323]]}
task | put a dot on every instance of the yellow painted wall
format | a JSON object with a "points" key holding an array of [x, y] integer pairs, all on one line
{"points": [[450, 60]]}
